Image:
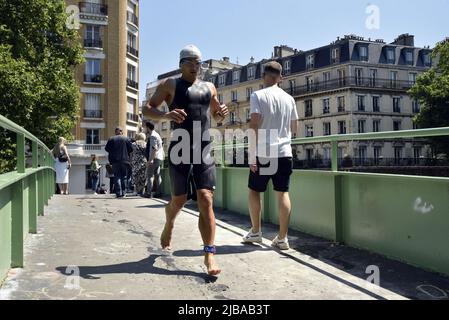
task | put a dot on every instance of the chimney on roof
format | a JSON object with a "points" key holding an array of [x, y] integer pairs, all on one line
{"points": [[405, 40], [252, 59], [226, 59]]}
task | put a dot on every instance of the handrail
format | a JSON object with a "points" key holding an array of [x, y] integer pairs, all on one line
{"points": [[11, 126], [334, 139]]}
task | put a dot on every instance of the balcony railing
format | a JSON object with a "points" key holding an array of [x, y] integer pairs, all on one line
{"points": [[132, 117], [93, 147], [131, 17], [93, 114], [132, 84], [133, 51], [355, 82], [93, 78], [93, 43], [93, 8]]}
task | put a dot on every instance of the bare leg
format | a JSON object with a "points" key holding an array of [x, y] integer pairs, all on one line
{"points": [[207, 228], [285, 209], [171, 212], [61, 188], [255, 209]]}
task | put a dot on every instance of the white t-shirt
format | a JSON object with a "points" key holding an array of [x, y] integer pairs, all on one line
{"points": [[156, 143], [278, 110]]}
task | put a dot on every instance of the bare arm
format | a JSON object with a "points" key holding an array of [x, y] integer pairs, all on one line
{"points": [[163, 93], [217, 110], [254, 124]]}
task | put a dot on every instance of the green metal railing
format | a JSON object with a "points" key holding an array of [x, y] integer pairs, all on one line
{"points": [[23, 195], [335, 139]]}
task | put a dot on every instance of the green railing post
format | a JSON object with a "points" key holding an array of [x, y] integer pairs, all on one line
{"points": [[20, 153], [334, 145], [40, 193], [17, 225], [33, 203]]}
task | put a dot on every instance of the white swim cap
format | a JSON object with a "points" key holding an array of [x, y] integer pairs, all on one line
{"points": [[190, 52]]}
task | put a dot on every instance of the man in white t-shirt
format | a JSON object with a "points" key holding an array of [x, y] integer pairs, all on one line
{"points": [[155, 156], [273, 118]]}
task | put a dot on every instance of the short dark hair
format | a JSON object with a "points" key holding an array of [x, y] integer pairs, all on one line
{"points": [[150, 125], [273, 67]]}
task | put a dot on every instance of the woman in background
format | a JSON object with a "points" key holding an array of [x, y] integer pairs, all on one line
{"points": [[62, 165], [139, 163]]}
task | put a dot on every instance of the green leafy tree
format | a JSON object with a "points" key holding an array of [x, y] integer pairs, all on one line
{"points": [[432, 91], [38, 56]]}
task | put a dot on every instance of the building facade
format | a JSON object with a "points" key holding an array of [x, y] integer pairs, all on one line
{"points": [[108, 80], [353, 85]]}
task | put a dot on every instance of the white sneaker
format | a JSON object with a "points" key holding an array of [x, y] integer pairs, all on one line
{"points": [[282, 244], [252, 237]]}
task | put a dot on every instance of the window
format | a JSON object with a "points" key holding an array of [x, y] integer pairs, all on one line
{"points": [[341, 77], [393, 78], [309, 83], [292, 86], [132, 72], [362, 154], [93, 136], [132, 40], [92, 67], [361, 103], [251, 72], [396, 125], [309, 154], [92, 101], [220, 98], [341, 104], [287, 67], [415, 106], [249, 92], [396, 105], [327, 153], [310, 61], [409, 57], [362, 126], [131, 105], [248, 115], [427, 60], [376, 125], [236, 76], [359, 76], [232, 117], [335, 55], [397, 155], [327, 128], [363, 52], [326, 106], [326, 79], [391, 56], [372, 77], [222, 79], [308, 108], [341, 127], [309, 131], [417, 154], [377, 155], [412, 78], [92, 36], [376, 106], [234, 96]]}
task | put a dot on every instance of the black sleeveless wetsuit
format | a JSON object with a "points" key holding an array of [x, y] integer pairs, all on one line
{"points": [[188, 153]]}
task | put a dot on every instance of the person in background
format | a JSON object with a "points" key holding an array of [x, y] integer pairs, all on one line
{"points": [[62, 165], [139, 163], [94, 173], [155, 155], [119, 148]]}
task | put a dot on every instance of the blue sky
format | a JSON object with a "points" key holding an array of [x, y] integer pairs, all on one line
{"points": [[240, 29]]}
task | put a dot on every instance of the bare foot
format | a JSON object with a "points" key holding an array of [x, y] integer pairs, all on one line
{"points": [[212, 267], [166, 237]]}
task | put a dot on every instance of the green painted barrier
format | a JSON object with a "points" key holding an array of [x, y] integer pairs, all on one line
{"points": [[23, 194], [402, 217]]}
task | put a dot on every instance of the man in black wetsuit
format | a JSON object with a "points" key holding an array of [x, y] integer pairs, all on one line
{"points": [[191, 103]]}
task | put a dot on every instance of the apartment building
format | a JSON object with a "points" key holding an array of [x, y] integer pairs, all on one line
{"points": [[108, 80]]}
